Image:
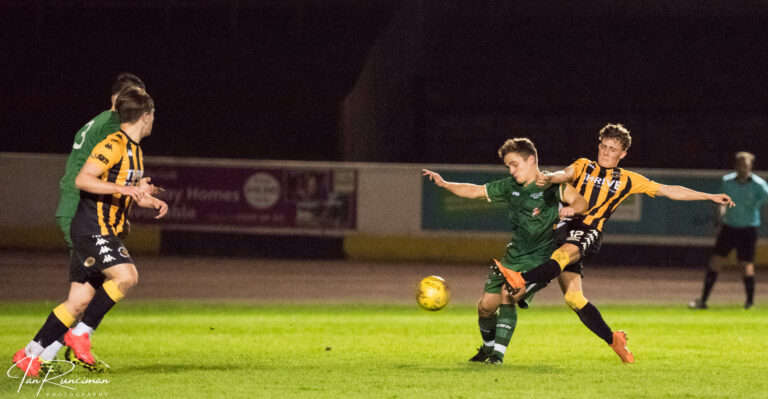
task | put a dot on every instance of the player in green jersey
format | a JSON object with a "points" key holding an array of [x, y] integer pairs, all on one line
{"points": [[93, 132], [533, 211]]}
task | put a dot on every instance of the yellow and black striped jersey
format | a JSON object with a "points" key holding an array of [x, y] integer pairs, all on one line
{"points": [[122, 163], [605, 189]]}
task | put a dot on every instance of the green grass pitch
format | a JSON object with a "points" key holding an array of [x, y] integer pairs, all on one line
{"points": [[223, 350]]}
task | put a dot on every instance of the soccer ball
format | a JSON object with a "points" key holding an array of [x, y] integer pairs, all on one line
{"points": [[432, 293]]}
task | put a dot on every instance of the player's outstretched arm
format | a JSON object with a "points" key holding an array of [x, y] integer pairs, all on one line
{"points": [[561, 176], [680, 193], [464, 190], [576, 203]]}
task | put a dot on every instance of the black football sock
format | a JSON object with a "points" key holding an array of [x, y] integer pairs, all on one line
{"points": [[709, 282], [542, 273], [591, 318], [105, 298], [55, 326], [749, 287]]}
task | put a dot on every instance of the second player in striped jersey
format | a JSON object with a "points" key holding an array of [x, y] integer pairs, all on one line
{"points": [[604, 185]]}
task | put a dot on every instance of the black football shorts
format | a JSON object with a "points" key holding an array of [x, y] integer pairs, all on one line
{"points": [[741, 238], [92, 254], [588, 239]]}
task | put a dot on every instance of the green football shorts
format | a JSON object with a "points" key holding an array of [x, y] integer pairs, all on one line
{"points": [[495, 281]]}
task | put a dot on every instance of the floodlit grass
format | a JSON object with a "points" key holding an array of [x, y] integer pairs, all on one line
{"points": [[212, 350]]}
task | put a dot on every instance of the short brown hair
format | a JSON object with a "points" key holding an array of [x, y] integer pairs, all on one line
{"points": [[131, 104], [746, 156], [124, 81], [520, 145], [618, 132]]}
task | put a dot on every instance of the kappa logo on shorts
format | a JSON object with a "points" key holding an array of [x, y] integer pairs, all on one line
{"points": [[101, 241], [89, 262], [104, 250], [123, 252], [107, 259]]}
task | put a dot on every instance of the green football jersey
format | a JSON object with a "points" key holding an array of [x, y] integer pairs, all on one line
{"points": [[86, 138], [533, 212]]}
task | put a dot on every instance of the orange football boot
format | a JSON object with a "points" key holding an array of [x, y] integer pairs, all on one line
{"points": [[619, 346]]}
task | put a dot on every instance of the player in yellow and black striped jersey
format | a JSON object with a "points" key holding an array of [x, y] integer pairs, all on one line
{"points": [[120, 161], [604, 185], [101, 270], [606, 188]]}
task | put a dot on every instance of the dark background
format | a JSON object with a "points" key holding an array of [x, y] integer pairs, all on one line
{"points": [[268, 79]]}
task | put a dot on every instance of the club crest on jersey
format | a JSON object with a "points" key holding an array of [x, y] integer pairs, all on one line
{"points": [[123, 252]]}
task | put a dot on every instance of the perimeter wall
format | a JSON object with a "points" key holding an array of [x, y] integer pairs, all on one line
{"points": [[368, 211]]}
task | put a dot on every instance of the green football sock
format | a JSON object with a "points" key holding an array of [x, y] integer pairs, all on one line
{"points": [[505, 326]]}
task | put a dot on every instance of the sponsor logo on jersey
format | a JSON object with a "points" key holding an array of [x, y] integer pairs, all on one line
{"points": [[101, 158], [89, 262], [599, 181], [515, 193], [537, 195]]}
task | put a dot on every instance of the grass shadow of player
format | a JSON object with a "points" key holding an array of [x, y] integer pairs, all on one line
{"points": [[482, 367], [511, 366]]}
